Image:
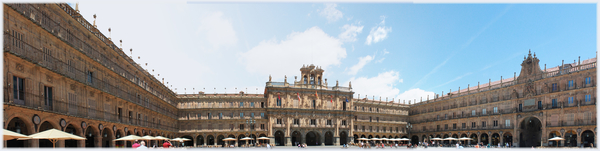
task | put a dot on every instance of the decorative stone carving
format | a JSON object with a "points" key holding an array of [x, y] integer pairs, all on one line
{"points": [[19, 67]]}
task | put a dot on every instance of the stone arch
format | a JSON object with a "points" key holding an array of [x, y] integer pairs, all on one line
{"points": [[220, 141], [356, 138], [22, 126], [570, 138], [312, 138], [90, 134], [279, 138], [107, 137], [343, 137], [241, 142], [296, 138], [199, 140], [118, 135], [484, 138], [328, 138], [75, 130], [553, 134], [495, 139], [587, 138], [210, 140], [531, 134], [508, 138]]}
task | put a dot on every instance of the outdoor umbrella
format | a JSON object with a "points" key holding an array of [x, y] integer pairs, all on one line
{"points": [[129, 138], [161, 138], [53, 135], [556, 139], [262, 138], [149, 139], [8, 135], [228, 139]]}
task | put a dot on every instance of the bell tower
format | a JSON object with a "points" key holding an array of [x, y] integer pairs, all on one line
{"points": [[311, 75], [530, 69]]}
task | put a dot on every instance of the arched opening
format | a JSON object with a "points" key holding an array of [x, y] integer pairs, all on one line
{"points": [[107, 137], [414, 139], [446, 141], [552, 135], [210, 140], [71, 130], [279, 140], [484, 139], [17, 125], [474, 139], [241, 142], [296, 137], [312, 79], [263, 142], [507, 138], [220, 140], [587, 138], [356, 138], [571, 139], [463, 142], [199, 140], [454, 141], [45, 126], [253, 141], [319, 80], [312, 138], [343, 138], [305, 80], [328, 138], [531, 132], [188, 143], [90, 135], [119, 144], [495, 139]]}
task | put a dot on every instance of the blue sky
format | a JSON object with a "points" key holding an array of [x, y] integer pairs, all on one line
{"points": [[394, 50]]}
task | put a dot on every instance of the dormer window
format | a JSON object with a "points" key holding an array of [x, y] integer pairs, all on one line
{"points": [[312, 79], [305, 80], [319, 81]]}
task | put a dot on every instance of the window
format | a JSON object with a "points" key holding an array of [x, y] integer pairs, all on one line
{"points": [[356, 108], [445, 116], [495, 123], [464, 125], [251, 115], [312, 79], [554, 87], [305, 80], [363, 108], [507, 123], [90, 77], [241, 115], [570, 100], [483, 111], [520, 107], [384, 130], [279, 121], [473, 112], [313, 122], [262, 104], [570, 83], [314, 104], [262, 115], [424, 129], [355, 118], [356, 127], [241, 104], [251, 104], [231, 127], [446, 126], [377, 119], [396, 129], [130, 116], [278, 101], [344, 105], [344, 122], [588, 80], [370, 119], [220, 115], [296, 121], [473, 124], [363, 128], [377, 109], [554, 103], [495, 109], [262, 126], [209, 116], [454, 126], [328, 122], [588, 98], [119, 114], [539, 105], [47, 54], [48, 96], [438, 117], [18, 88], [438, 127], [241, 126], [483, 124]]}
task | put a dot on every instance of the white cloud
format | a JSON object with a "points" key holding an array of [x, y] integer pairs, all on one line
{"points": [[362, 61], [413, 94], [381, 86], [349, 32], [218, 30], [285, 57], [331, 13], [378, 33]]}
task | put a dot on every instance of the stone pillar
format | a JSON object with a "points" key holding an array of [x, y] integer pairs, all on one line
{"points": [[60, 143], [288, 141], [34, 143], [81, 143], [303, 139], [195, 141], [502, 141], [469, 142], [336, 141], [479, 139], [578, 140], [98, 141]]}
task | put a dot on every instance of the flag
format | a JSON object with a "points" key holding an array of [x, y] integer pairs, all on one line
{"points": [[316, 94], [279, 98], [346, 100], [331, 99], [298, 96]]}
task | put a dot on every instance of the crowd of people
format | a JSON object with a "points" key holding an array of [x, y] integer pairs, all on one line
{"points": [[142, 144]]}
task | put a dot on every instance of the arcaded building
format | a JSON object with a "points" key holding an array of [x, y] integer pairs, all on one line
{"points": [[61, 72]]}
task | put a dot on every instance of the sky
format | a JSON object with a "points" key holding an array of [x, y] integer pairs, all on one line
{"points": [[396, 50]]}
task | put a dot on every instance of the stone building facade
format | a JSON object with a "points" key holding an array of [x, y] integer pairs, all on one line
{"points": [[61, 72]]}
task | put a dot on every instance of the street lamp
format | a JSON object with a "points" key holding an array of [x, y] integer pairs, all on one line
{"points": [[250, 124], [409, 126]]}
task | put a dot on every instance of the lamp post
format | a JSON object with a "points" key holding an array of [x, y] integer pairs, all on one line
{"points": [[250, 124], [409, 126]]}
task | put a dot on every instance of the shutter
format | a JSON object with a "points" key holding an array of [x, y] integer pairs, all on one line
{"points": [[9, 80], [42, 98]]}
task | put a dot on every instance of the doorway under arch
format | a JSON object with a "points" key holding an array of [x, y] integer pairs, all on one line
{"points": [[343, 138], [531, 132], [19, 126], [328, 138], [45, 126], [312, 138], [296, 138], [279, 138]]}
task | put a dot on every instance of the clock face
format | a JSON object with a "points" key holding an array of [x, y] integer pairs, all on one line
{"points": [[63, 123]]}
